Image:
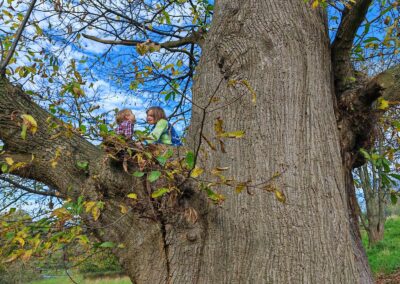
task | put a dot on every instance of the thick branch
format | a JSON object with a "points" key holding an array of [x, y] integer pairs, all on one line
{"points": [[194, 38], [51, 154], [358, 112], [390, 84], [343, 43]]}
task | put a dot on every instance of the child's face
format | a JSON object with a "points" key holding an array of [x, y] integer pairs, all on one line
{"points": [[150, 117], [130, 117]]}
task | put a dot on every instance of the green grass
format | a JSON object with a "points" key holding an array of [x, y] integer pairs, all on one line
{"points": [[384, 257], [79, 279]]}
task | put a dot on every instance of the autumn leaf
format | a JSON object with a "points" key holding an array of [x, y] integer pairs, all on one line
{"points": [[21, 241], [89, 205], [218, 126], [250, 89], [9, 161], [196, 172], [233, 134], [239, 188], [160, 192], [132, 195], [280, 196], [96, 213], [29, 122], [124, 209], [383, 104]]}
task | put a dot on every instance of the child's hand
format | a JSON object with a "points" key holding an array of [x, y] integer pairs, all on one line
{"points": [[139, 145]]}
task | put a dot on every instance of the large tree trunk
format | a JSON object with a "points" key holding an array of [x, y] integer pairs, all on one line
{"points": [[281, 50]]}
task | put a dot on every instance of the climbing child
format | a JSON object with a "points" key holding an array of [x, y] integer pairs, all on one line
{"points": [[162, 132], [125, 120]]}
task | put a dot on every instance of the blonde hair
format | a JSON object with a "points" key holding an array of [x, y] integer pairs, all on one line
{"points": [[158, 113], [120, 117]]}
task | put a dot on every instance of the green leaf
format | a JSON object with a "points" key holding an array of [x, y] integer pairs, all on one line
{"points": [[4, 168], [396, 124], [167, 18], [393, 197], [216, 197], [386, 180], [386, 165], [153, 176], [365, 154], [396, 176], [160, 192], [103, 128], [83, 165], [190, 159], [107, 245], [138, 174], [23, 131], [162, 160], [168, 154], [371, 39]]}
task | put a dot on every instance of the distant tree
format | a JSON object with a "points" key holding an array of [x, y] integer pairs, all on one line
{"points": [[378, 178]]}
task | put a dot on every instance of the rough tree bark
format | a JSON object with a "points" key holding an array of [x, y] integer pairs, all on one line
{"points": [[279, 49]]}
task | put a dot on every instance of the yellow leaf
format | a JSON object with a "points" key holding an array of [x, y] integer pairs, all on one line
{"points": [[30, 122], [47, 245], [251, 90], [239, 188], [124, 209], [233, 134], [280, 196], [132, 195], [232, 82], [383, 104], [96, 213], [60, 212], [9, 161], [54, 164], [315, 4], [17, 166], [218, 126], [89, 205], [20, 240], [196, 172], [12, 257]]}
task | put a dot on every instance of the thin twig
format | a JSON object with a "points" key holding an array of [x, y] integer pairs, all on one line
{"points": [[17, 38]]}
